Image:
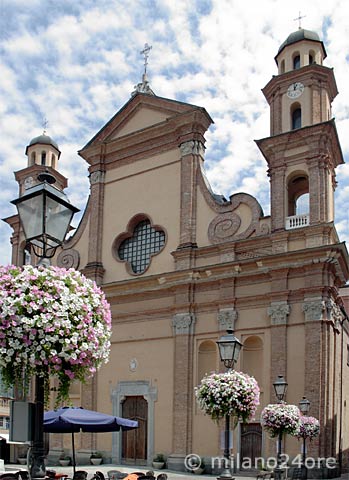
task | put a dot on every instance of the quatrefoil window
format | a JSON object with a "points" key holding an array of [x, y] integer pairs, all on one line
{"points": [[139, 244]]}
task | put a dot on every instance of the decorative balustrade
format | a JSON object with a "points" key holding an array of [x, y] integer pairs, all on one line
{"points": [[297, 221]]}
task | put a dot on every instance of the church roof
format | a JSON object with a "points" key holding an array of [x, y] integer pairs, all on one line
{"points": [[299, 35]]}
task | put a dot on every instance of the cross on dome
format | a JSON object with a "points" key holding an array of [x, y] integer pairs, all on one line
{"points": [[299, 18]]}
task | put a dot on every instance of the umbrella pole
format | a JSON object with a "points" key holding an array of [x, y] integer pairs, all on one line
{"points": [[73, 445]]}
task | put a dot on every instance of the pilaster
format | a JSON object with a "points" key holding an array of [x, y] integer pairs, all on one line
{"points": [[316, 353], [94, 268], [183, 328], [192, 152], [278, 312]]}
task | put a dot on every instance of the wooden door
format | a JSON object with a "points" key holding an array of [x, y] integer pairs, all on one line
{"points": [[251, 443], [134, 442]]}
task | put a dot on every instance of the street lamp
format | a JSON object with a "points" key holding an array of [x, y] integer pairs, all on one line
{"points": [[280, 387], [229, 349], [45, 214], [304, 406]]}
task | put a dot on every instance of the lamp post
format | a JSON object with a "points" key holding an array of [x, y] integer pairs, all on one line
{"points": [[280, 387], [229, 349], [304, 406], [45, 214]]}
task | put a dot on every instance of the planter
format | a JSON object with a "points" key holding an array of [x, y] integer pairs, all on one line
{"points": [[158, 465], [96, 461], [22, 460], [64, 463], [198, 471]]}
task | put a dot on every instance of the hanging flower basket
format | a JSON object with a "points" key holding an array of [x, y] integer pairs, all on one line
{"points": [[280, 418], [309, 427], [232, 393], [53, 323]]}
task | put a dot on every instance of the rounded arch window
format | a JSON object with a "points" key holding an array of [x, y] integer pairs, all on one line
{"points": [[53, 161], [311, 57], [296, 116], [139, 244], [43, 157], [32, 158], [296, 61]]}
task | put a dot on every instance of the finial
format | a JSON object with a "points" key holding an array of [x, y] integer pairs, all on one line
{"points": [[145, 52], [44, 125], [143, 86], [299, 18]]}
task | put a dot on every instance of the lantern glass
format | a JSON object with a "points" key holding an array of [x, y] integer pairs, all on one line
{"points": [[229, 348], [280, 387], [304, 405], [45, 214]]}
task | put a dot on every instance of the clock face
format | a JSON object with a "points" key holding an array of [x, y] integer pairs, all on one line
{"points": [[28, 182], [295, 90]]}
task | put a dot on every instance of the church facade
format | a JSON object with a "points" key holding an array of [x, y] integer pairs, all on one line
{"points": [[180, 264]]}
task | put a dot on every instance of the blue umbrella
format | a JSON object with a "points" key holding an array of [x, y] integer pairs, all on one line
{"points": [[78, 419]]}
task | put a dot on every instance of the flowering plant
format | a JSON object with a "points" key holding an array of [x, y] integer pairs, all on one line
{"points": [[280, 418], [309, 427], [53, 322], [232, 393]]}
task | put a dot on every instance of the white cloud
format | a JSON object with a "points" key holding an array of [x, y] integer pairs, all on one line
{"points": [[77, 65]]}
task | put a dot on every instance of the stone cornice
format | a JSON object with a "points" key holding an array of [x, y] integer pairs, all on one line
{"points": [[309, 75], [35, 170], [319, 140], [329, 257]]}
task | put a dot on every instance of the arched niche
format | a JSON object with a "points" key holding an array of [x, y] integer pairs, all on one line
{"points": [[207, 354], [253, 358]]}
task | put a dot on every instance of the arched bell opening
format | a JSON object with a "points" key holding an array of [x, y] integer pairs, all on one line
{"points": [[298, 194]]}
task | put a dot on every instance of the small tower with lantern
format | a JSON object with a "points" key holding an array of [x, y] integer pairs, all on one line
{"points": [[303, 149]]}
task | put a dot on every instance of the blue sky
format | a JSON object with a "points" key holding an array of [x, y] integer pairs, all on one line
{"points": [[76, 63]]}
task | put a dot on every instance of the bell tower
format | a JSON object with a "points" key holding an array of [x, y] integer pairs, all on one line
{"points": [[42, 156], [303, 149]]}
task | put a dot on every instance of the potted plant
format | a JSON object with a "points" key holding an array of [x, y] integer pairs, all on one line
{"points": [[64, 460], [159, 461], [22, 460], [96, 458], [199, 467]]}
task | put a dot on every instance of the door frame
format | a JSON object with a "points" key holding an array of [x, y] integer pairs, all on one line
{"points": [[125, 389]]}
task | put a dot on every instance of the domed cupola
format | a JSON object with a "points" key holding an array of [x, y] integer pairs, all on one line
{"points": [[301, 48], [42, 150]]}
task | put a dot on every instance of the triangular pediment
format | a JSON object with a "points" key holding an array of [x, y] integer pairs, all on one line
{"points": [[139, 113], [142, 117]]}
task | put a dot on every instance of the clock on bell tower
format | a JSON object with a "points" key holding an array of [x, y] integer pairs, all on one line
{"points": [[303, 149]]}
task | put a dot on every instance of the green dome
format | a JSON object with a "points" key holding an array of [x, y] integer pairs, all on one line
{"points": [[298, 35], [43, 139]]}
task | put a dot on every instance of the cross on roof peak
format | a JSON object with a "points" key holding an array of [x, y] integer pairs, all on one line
{"points": [[145, 52]]}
